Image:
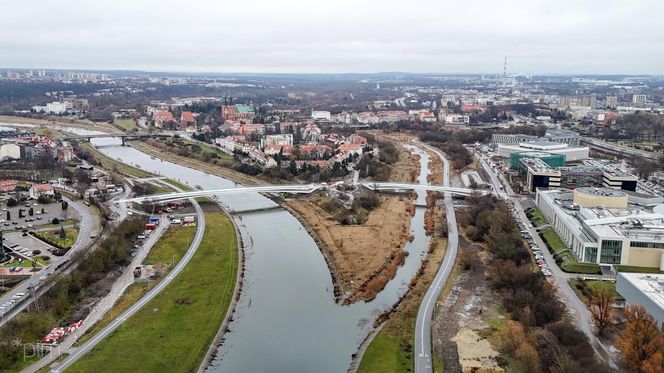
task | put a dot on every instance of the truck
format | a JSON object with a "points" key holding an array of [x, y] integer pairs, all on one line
{"points": [[154, 219], [150, 226]]}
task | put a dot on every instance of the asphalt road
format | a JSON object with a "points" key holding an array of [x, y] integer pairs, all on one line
{"points": [[92, 342], [89, 222], [574, 305], [422, 354]]}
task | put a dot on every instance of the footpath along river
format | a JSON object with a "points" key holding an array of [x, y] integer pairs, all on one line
{"points": [[286, 319]]}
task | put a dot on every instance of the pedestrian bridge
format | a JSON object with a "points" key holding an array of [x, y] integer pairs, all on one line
{"points": [[301, 189], [386, 186]]}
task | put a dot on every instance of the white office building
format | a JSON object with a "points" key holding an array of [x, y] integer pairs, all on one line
{"points": [[604, 226], [643, 289], [571, 153], [320, 115]]}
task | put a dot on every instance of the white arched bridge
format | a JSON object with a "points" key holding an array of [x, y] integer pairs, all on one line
{"points": [[301, 189]]}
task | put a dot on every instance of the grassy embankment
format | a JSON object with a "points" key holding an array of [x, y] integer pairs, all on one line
{"points": [[224, 170], [112, 164], [173, 331], [565, 259], [537, 218], [168, 250], [126, 124], [392, 348]]}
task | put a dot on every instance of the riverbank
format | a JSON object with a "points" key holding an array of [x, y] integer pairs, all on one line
{"points": [[391, 348], [111, 164], [364, 255], [61, 122], [196, 164], [184, 318]]}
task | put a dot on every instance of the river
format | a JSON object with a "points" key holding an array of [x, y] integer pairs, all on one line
{"points": [[286, 319]]}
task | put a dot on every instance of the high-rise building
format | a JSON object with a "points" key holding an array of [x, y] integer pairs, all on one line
{"points": [[611, 102], [590, 101], [639, 99], [565, 102]]}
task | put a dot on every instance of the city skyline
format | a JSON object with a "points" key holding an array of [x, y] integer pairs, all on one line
{"points": [[341, 37]]}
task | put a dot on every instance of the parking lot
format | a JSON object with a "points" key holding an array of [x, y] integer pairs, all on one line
{"points": [[15, 241], [50, 211]]}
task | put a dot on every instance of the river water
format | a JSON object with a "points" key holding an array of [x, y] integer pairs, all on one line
{"points": [[286, 319]]}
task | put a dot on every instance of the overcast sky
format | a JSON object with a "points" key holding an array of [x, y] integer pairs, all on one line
{"points": [[562, 36]]}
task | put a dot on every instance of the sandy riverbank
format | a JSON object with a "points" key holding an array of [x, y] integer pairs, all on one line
{"points": [[78, 123], [366, 254]]}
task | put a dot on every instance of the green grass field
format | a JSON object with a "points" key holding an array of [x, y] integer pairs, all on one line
{"points": [[112, 164], [385, 354], [584, 268], [558, 247], [555, 244], [173, 331], [169, 249], [211, 149], [53, 237], [620, 268], [178, 184], [126, 124], [172, 246]]}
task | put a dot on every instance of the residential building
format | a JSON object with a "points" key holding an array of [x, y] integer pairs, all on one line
{"points": [[37, 190], [281, 139], [187, 118], [311, 133], [644, 289], [455, 119], [392, 115], [162, 117], [237, 113], [639, 100], [320, 115], [275, 149], [8, 186], [611, 102]]}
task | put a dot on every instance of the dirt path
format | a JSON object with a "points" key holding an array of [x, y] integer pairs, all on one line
{"points": [[462, 328]]}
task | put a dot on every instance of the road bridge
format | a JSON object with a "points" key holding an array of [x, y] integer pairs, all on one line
{"points": [[122, 135]]}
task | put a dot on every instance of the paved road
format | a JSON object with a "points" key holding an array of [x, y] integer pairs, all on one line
{"points": [[574, 305], [89, 222], [422, 354], [106, 303], [92, 342]]}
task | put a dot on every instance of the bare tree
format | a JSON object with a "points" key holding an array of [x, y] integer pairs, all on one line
{"points": [[601, 303]]}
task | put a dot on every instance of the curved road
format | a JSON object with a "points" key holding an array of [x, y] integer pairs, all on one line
{"points": [[92, 342], [422, 354], [89, 223]]}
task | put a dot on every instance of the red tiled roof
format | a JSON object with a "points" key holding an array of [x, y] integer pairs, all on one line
{"points": [[43, 187]]}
